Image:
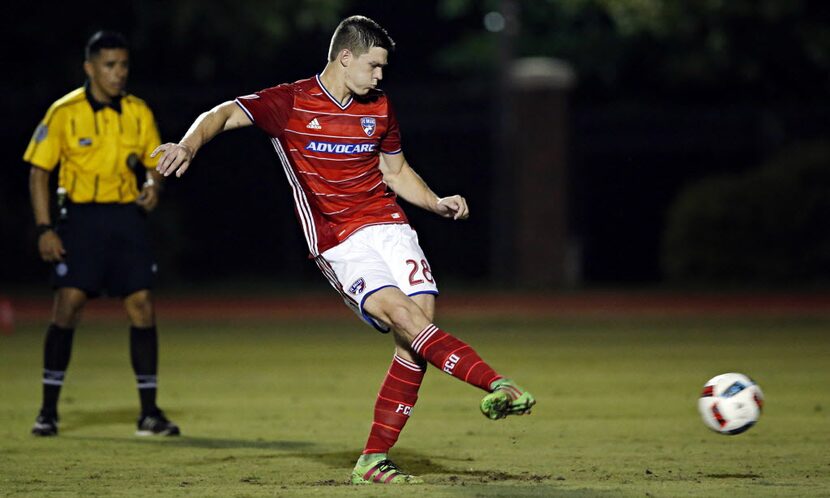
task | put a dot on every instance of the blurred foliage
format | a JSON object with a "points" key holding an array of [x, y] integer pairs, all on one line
{"points": [[715, 49], [233, 36], [185, 40], [712, 49], [768, 225], [729, 81]]}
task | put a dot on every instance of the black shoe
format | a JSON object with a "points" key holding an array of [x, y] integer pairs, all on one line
{"points": [[156, 424], [45, 425]]}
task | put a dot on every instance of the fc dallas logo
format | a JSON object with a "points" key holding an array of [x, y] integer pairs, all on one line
{"points": [[368, 125]]}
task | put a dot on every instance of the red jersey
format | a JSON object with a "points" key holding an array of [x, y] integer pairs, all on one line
{"points": [[330, 154]]}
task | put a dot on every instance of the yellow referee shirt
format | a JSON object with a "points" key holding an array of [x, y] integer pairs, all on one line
{"points": [[96, 145]]}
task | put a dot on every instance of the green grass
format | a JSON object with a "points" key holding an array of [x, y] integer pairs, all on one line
{"points": [[283, 409]]}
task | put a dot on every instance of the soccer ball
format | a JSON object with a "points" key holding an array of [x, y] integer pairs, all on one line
{"points": [[730, 403]]}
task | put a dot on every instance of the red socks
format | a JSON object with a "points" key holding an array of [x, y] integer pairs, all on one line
{"points": [[399, 390], [454, 357], [396, 398]]}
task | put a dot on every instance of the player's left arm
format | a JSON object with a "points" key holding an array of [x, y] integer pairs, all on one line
{"points": [[148, 197], [404, 181]]}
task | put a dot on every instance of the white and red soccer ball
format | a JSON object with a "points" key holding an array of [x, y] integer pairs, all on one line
{"points": [[730, 403]]}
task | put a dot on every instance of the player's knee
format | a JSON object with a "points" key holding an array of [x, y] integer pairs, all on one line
{"points": [[407, 319], [426, 302], [399, 315], [69, 303], [139, 307]]}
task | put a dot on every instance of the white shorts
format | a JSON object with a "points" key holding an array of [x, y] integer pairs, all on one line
{"points": [[375, 257]]}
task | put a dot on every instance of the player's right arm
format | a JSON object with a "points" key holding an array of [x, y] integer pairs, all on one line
{"points": [[43, 155], [177, 157], [49, 244]]}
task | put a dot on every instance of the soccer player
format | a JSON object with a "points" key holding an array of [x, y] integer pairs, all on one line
{"points": [[101, 136], [339, 144]]}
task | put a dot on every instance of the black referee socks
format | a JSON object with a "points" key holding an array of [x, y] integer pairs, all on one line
{"points": [[144, 351], [56, 352]]}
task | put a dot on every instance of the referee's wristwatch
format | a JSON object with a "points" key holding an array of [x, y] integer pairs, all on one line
{"points": [[43, 228]]}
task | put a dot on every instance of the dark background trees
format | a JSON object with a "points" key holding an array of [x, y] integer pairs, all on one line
{"points": [[669, 93]]}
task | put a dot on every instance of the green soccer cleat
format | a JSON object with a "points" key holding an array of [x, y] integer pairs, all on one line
{"points": [[376, 468], [506, 398]]}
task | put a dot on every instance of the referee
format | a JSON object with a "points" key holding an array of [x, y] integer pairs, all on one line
{"points": [[102, 138]]}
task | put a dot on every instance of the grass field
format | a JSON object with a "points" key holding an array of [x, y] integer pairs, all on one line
{"points": [[283, 407]]}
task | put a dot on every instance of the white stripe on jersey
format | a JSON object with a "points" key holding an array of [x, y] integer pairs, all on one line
{"points": [[335, 181], [245, 110], [340, 113], [338, 212], [328, 136], [303, 209], [366, 225], [320, 194], [328, 158]]}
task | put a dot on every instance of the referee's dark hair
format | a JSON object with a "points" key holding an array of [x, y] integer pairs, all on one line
{"points": [[102, 40], [359, 34]]}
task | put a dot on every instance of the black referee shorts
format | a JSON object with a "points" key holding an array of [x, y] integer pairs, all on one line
{"points": [[107, 250]]}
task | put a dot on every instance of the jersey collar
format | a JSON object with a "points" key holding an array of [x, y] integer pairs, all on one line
{"points": [[97, 106], [325, 90]]}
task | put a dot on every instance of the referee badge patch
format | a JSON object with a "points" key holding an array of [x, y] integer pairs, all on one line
{"points": [[41, 132]]}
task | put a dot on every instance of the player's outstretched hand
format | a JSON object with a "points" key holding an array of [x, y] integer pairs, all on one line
{"points": [[176, 158], [454, 207]]}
